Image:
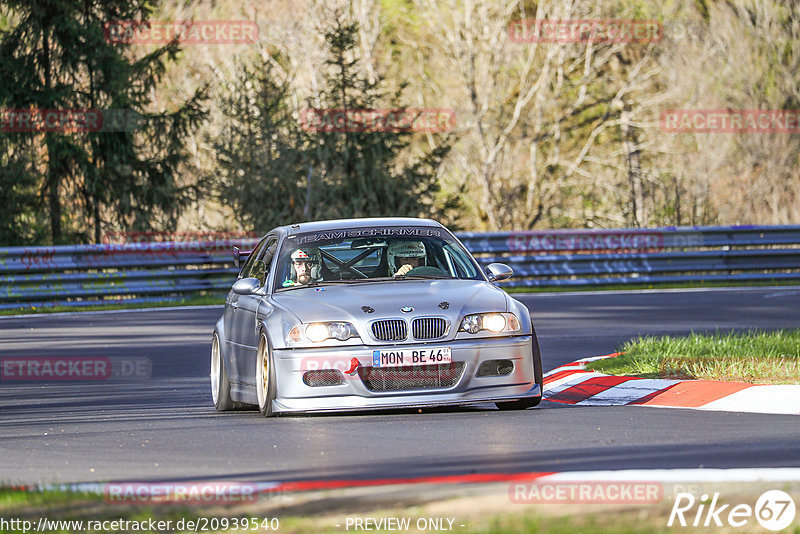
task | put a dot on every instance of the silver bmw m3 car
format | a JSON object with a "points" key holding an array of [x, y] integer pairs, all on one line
{"points": [[363, 314]]}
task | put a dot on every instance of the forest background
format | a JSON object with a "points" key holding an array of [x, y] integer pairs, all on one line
{"points": [[544, 134]]}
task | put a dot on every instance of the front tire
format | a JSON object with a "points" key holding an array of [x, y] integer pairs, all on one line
{"points": [[538, 377], [265, 377], [220, 383]]}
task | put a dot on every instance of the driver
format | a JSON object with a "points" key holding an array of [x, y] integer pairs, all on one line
{"points": [[305, 267], [404, 256]]}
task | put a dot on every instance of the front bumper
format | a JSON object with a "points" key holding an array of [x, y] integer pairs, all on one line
{"points": [[293, 395]]}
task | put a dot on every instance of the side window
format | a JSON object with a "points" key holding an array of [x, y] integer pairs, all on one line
{"points": [[450, 268], [260, 267], [463, 269], [269, 253], [248, 265]]}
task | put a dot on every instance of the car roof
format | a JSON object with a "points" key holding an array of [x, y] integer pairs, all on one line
{"points": [[341, 224]]}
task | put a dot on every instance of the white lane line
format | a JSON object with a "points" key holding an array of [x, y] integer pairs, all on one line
{"points": [[782, 294], [746, 474], [518, 294]]}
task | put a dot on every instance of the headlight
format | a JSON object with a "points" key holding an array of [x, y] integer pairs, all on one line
{"points": [[319, 332], [493, 322]]}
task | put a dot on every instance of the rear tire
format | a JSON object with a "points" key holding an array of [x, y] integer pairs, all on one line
{"points": [[538, 377], [220, 383], [265, 377]]}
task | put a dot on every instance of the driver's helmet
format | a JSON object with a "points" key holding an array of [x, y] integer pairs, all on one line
{"points": [[404, 249], [309, 255]]}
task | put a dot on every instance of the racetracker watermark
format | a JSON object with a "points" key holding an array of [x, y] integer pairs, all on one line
{"points": [[69, 121], [585, 31], [430, 120], [730, 121], [585, 241], [60, 369], [181, 237], [183, 31], [188, 493], [119, 254], [541, 492]]}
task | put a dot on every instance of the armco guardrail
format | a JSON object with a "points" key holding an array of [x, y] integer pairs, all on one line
{"points": [[662, 255], [141, 272], [95, 274]]}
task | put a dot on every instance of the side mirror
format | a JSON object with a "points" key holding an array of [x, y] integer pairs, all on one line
{"points": [[240, 255], [246, 286], [497, 272]]}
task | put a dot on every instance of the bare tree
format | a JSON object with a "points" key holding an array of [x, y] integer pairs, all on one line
{"points": [[539, 120]]}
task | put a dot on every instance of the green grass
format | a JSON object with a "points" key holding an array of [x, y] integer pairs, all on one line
{"points": [[585, 524], [57, 505], [755, 356], [202, 299]]}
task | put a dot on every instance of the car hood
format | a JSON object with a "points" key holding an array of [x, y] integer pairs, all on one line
{"points": [[448, 298]]}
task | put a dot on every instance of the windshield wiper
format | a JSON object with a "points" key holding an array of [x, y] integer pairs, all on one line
{"points": [[422, 277], [326, 282], [347, 281], [366, 280]]}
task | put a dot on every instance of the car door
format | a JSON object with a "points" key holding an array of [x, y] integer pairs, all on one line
{"points": [[246, 316], [234, 334]]}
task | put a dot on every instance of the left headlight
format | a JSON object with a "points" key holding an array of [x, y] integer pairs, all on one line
{"points": [[319, 332], [493, 322]]}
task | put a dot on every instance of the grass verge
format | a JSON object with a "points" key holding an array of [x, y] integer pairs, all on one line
{"points": [[754, 356], [297, 517]]}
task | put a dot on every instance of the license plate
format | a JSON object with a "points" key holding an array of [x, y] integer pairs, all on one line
{"points": [[406, 357]]}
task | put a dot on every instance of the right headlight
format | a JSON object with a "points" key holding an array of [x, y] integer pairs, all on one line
{"points": [[493, 322]]}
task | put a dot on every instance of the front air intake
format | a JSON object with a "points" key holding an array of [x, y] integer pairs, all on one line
{"points": [[495, 368], [323, 377], [405, 378]]}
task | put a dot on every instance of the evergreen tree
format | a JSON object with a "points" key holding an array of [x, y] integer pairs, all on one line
{"points": [[362, 174], [261, 164], [20, 220], [56, 55], [275, 171]]}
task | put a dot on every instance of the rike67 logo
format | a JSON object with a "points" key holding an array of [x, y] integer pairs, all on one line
{"points": [[774, 510]]}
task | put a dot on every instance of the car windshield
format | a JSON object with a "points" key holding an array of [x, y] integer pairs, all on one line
{"points": [[385, 254]]}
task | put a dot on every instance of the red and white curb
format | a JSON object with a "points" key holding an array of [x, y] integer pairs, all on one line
{"points": [[573, 384], [161, 490]]}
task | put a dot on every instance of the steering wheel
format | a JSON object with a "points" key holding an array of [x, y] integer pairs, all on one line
{"points": [[426, 270]]}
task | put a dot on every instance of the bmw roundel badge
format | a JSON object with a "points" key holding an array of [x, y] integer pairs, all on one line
{"points": [[406, 309]]}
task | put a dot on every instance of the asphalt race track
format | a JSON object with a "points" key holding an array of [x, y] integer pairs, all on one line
{"points": [[165, 428]]}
